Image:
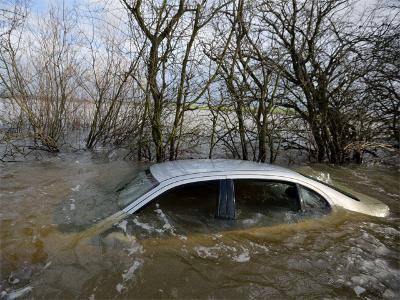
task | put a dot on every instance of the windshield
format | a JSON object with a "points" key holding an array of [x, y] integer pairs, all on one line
{"points": [[140, 185], [340, 190]]}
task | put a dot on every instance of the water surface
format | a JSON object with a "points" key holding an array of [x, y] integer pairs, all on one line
{"points": [[161, 253]]}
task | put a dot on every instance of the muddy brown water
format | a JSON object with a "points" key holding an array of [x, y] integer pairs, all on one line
{"points": [[45, 207]]}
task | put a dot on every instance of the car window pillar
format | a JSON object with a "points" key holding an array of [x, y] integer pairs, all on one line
{"points": [[300, 195], [226, 200]]}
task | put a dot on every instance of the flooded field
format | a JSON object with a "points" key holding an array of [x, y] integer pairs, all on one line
{"points": [[48, 252]]}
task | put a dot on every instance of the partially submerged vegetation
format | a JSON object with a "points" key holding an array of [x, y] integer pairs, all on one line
{"points": [[164, 78]]}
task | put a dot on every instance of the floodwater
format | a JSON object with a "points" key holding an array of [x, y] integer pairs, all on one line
{"points": [[49, 252]]}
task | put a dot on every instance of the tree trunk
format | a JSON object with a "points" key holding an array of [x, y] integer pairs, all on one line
{"points": [[156, 127], [242, 133]]}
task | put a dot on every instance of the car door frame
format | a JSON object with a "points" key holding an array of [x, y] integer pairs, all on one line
{"points": [[279, 178], [289, 183], [166, 185]]}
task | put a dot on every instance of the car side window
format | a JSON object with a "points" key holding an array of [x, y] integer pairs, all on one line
{"points": [[265, 202], [312, 200], [185, 209], [272, 194], [198, 198]]}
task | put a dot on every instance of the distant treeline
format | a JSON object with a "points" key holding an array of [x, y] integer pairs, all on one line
{"points": [[322, 76]]}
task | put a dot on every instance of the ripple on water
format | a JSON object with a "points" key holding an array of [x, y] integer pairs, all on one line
{"points": [[347, 258]]}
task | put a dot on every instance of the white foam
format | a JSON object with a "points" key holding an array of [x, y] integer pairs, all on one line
{"points": [[217, 251], [243, 257], [76, 188], [206, 252], [393, 195], [123, 225], [163, 217], [47, 265], [216, 236], [19, 293], [167, 225], [182, 237], [119, 287], [13, 281], [389, 294], [135, 247], [391, 231], [129, 274], [324, 177], [258, 246], [11, 278], [359, 290], [144, 226], [362, 279], [257, 217]]}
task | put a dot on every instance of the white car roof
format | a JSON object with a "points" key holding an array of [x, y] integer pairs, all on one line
{"points": [[175, 173], [177, 168]]}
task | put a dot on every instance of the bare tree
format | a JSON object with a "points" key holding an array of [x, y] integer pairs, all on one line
{"points": [[110, 88], [252, 84], [12, 15], [382, 77], [319, 65], [274, 74], [172, 29], [42, 88]]}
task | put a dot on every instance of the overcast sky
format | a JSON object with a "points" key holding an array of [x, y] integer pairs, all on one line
{"points": [[41, 5]]}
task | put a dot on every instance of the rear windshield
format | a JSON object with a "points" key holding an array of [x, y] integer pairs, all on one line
{"points": [[139, 186], [333, 187]]}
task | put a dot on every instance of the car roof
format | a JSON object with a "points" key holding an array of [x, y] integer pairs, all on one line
{"points": [[177, 168]]}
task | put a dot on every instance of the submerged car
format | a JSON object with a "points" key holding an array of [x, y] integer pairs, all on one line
{"points": [[241, 184]]}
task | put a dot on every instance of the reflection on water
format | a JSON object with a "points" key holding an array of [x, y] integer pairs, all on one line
{"points": [[163, 253]]}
